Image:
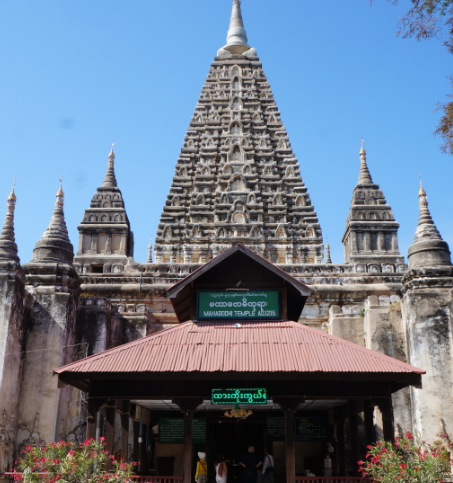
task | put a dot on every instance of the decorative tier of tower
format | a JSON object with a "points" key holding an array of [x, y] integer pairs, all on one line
{"points": [[105, 236], [237, 178], [371, 236]]}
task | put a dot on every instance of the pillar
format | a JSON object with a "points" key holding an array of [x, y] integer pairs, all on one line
{"points": [[381, 242], [123, 407], [92, 412], [385, 405], [353, 436], [110, 413], [135, 448], [395, 246], [188, 407], [341, 448], [354, 248], [369, 423], [366, 242], [289, 406]]}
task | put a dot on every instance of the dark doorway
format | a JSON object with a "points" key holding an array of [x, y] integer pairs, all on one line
{"points": [[233, 438]]}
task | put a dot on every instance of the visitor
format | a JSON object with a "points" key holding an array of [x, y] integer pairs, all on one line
{"points": [[250, 462], [221, 469], [268, 467], [201, 475]]}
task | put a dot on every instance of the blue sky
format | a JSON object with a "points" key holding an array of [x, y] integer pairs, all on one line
{"points": [[76, 75]]}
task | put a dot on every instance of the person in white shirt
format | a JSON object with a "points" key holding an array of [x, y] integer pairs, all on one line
{"points": [[268, 467]]}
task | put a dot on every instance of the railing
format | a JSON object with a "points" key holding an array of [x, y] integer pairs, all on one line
{"points": [[331, 479], [135, 478], [156, 479]]}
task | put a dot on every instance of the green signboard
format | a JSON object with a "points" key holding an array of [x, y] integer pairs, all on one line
{"points": [[239, 396], [253, 305], [311, 428], [171, 430]]}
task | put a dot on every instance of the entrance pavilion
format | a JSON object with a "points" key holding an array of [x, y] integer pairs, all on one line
{"points": [[242, 371]]}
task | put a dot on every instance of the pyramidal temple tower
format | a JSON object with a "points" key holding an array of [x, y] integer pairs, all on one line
{"points": [[237, 178]]}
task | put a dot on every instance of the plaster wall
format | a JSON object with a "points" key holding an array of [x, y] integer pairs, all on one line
{"points": [[384, 333], [428, 319], [345, 322], [11, 363], [50, 323]]}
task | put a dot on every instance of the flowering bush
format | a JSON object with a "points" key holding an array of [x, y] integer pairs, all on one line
{"points": [[66, 462], [408, 460]]}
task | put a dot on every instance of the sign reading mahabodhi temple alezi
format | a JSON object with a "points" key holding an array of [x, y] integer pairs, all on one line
{"points": [[263, 304]]}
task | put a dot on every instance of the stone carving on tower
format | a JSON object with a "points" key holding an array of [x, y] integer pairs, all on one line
{"points": [[371, 235], [237, 178], [105, 237]]}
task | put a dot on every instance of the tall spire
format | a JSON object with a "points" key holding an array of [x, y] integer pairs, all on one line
{"points": [[150, 252], [364, 173], [428, 248], [237, 36], [236, 33], [54, 245], [426, 227], [57, 226], [8, 247], [110, 179], [328, 258], [8, 225]]}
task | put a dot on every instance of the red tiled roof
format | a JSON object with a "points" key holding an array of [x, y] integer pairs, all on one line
{"points": [[252, 347]]}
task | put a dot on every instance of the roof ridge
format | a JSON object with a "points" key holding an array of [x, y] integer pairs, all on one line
{"points": [[377, 355]]}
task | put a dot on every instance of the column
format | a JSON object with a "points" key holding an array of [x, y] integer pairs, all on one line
{"points": [[289, 406], [123, 243], [110, 412], [369, 422], [354, 248], [135, 449], [188, 408], [123, 407], [94, 243], [381, 242], [108, 244], [395, 247], [366, 242], [385, 405], [341, 448], [92, 412], [353, 436]]}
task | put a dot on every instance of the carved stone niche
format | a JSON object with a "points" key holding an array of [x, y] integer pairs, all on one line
{"points": [[117, 268]]}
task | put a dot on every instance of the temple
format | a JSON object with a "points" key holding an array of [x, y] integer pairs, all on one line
{"points": [[238, 330]]}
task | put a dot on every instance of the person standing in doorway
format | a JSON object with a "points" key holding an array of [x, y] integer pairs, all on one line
{"points": [[268, 467], [250, 462], [201, 475], [221, 469]]}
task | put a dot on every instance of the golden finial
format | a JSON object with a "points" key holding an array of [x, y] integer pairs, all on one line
{"points": [[112, 154], [327, 244], [60, 190], [421, 191], [362, 150], [12, 195]]}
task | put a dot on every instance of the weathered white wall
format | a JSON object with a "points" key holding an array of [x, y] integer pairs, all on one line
{"points": [[49, 331], [11, 363], [428, 321]]}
